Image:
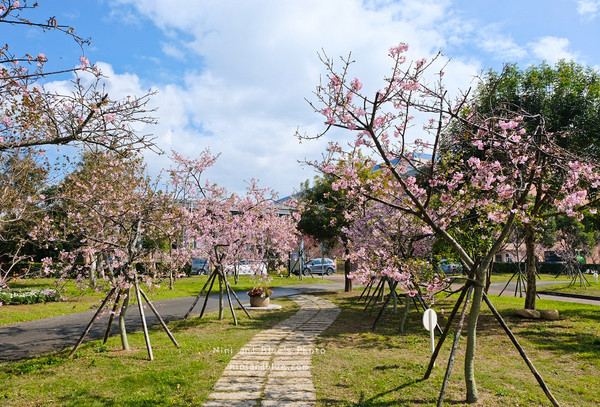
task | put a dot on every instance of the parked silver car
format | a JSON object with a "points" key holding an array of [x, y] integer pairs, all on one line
{"points": [[316, 267]]}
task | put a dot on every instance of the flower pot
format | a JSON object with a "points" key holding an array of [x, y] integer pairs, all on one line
{"points": [[258, 301]]}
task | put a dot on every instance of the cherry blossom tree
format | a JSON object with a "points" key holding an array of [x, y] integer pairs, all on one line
{"points": [[118, 219], [34, 118], [21, 177], [391, 247], [492, 187], [226, 228], [384, 242]]}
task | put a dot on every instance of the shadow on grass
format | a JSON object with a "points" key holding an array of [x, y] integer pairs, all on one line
{"points": [[576, 333], [376, 400]]}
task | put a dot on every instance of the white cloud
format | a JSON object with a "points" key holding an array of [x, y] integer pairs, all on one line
{"points": [[588, 8], [502, 48], [173, 50], [259, 62], [552, 49]]}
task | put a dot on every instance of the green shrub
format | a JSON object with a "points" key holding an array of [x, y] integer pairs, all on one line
{"points": [[16, 297]]}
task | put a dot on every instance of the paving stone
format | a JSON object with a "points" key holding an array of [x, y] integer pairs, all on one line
{"points": [[230, 403], [290, 395], [281, 381], [246, 373], [291, 373], [275, 388], [287, 403], [292, 358], [248, 365], [251, 386], [234, 380], [235, 395], [251, 357]]}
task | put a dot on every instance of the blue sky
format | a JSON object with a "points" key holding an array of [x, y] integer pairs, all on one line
{"points": [[233, 75]]}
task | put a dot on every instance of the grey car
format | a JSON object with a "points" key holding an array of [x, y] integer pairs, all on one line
{"points": [[316, 267], [199, 266]]}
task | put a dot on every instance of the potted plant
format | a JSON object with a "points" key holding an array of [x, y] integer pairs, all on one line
{"points": [[260, 296]]}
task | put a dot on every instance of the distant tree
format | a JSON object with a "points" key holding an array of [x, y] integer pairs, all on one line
{"points": [[571, 237], [322, 217], [565, 100], [566, 95], [22, 177]]}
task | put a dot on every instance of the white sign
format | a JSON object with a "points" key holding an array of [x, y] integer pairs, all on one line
{"points": [[430, 322]]}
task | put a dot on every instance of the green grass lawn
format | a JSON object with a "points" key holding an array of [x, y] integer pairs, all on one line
{"points": [[587, 286], [80, 301], [104, 375], [504, 277], [361, 367], [358, 366]]}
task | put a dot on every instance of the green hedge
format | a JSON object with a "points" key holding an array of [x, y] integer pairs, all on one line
{"points": [[16, 297], [502, 268]]}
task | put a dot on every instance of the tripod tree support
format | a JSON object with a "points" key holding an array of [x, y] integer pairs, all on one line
{"points": [[461, 322], [228, 290], [162, 322], [89, 326], [143, 318], [445, 332], [521, 351]]}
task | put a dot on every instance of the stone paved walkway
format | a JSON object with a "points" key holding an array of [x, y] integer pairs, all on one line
{"points": [[274, 368]]}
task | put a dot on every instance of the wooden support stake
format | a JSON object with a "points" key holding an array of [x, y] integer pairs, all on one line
{"points": [[368, 286], [230, 303], [385, 304], [143, 318], [112, 317], [521, 352], [162, 322], [461, 322], [89, 326], [211, 278], [239, 302], [445, 332], [207, 296], [375, 293]]}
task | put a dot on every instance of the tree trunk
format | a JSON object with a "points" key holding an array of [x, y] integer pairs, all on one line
{"points": [[480, 277], [124, 307], [530, 293], [347, 280], [93, 271], [405, 313], [489, 278], [220, 296]]}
